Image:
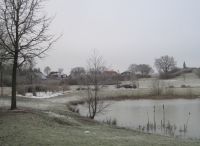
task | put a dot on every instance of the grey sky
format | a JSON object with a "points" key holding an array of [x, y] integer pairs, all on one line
{"points": [[124, 32]]}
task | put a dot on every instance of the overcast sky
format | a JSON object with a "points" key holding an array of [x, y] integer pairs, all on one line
{"points": [[123, 32]]}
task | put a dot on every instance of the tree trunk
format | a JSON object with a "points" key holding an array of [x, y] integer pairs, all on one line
{"points": [[1, 80], [14, 83], [1, 66], [15, 61]]}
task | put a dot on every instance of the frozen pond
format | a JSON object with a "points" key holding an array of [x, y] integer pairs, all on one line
{"points": [[179, 117]]}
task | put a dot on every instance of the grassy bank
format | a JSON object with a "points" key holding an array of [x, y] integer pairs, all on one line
{"points": [[33, 128], [49, 122]]}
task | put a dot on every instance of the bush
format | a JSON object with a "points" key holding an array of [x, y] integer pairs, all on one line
{"points": [[29, 89], [78, 89], [127, 86], [169, 76], [172, 74], [185, 86], [171, 86], [110, 122], [40, 88], [23, 89], [72, 82]]}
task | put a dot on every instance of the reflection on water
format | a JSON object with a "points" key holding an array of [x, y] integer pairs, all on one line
{"points": [[177, 117]]}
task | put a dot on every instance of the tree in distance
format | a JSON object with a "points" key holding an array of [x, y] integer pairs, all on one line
{"points": [[165, 64], [47, 70]]}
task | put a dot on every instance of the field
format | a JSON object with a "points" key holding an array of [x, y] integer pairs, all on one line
{"points": [[184, 86]]}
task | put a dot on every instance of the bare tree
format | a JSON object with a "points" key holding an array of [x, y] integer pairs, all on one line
{"points": [[78, 74], [133, 69], [144, 69], [47, 70], [77, 71], [94, 102], [165, 64], [23, 33]]}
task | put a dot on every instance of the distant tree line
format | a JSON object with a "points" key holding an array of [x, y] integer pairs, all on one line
{"points": [[165, 65]]}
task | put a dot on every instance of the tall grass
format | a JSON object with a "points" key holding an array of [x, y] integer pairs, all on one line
{"points": [[166, 127], [110, 121]]}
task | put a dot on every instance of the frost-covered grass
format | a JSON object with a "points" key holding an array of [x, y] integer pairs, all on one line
{"points": [[36, 128], [189, 79]]}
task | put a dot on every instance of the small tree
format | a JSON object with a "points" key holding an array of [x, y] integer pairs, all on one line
{"points": [[23, 33], [94, 102], [47, 70], [165, 64]]}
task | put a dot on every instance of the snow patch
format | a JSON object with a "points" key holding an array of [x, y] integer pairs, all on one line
{"points": [[87, 132], [43, 95]]}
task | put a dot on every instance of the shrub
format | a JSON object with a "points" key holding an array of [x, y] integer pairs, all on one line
{"points": [[110, 121], [40, 88], [185, 86], [171, 86], [172, 74], [72, 82], [29, 89], [127, 86], [78, 89]]}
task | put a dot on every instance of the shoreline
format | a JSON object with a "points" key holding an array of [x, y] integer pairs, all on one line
{"points": [[121, 98], [160, 97]]}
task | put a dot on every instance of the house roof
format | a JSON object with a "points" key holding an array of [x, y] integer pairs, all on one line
{"points": [[110, 72]]}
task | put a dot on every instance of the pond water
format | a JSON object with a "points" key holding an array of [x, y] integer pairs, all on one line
{"points": [[178, 117]]}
